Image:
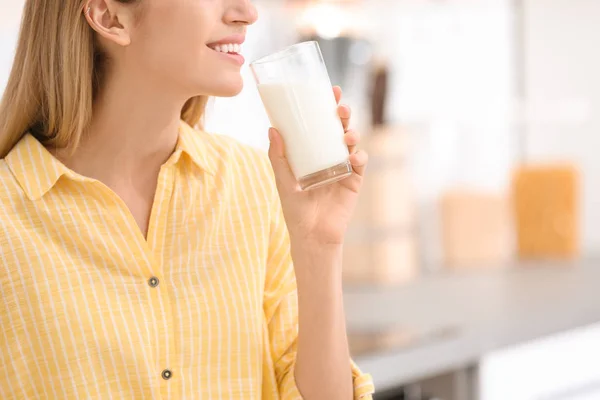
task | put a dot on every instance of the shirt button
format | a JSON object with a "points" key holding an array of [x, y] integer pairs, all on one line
{"points": [[167, 374], [153, 282]]}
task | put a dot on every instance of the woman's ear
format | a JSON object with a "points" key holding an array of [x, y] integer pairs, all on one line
{"points": [[111, 20]]}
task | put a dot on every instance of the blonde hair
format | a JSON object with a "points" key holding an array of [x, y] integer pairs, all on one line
{"points": [[55, 75]]}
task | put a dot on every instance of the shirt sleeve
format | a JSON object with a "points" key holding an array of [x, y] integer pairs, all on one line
{"points": [[281, 311]]}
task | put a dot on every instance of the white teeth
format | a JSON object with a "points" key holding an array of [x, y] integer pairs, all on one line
{"points": [[228, 48]]}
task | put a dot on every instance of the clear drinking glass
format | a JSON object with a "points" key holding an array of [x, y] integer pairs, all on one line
{"points": [[296, 91]]}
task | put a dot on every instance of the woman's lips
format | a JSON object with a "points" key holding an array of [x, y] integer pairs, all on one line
{"points": [[229, 50], [232, 57]]}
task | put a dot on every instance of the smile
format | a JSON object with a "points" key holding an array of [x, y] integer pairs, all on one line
{"points": [[231, 48], [231, 52]]}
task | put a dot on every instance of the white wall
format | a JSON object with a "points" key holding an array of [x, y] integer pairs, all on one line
{"points": [[10, 19], [452, 87], [562, 71], [453, 82]]}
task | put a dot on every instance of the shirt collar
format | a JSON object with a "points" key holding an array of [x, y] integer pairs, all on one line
{"points": [[197, 145], [37, 170]]}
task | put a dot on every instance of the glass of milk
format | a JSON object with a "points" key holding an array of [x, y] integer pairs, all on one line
{"points": [[296, 91]]}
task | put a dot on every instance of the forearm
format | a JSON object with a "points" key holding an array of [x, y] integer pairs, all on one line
{"points": [[323, 361]]}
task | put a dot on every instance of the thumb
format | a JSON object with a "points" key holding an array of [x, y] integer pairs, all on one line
{"points": [[283, 174]]}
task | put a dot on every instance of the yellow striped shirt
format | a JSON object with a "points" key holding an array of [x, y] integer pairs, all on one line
{"points": [[204, 307]]}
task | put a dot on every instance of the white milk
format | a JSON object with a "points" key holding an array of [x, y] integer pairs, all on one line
{"points": [[306, 116]]}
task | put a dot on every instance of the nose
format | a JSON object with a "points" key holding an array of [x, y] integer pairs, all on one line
{"points": [[240, 12]]}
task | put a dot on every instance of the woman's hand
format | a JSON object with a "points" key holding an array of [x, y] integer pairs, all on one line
{"points": [[318, 218]]}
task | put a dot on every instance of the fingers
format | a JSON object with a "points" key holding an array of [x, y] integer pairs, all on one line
{"points": [[337, 92], [345, 113], [343, 110], [283, 174], [352, 139], [359, 162]]}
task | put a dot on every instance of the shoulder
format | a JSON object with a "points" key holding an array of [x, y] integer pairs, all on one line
{"points": [[9, 188], [12, 206]]}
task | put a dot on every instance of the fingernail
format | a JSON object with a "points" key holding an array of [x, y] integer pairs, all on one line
{"points": [[270, 134]]}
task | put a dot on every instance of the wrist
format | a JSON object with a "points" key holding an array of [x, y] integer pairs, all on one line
{"points": [[317, 265], [315, 254]]}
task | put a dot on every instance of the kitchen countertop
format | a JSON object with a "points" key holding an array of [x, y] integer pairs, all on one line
{"points": [[446, 321]]}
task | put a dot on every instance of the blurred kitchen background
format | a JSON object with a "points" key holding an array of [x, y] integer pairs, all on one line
{"points": [[470, 266]]}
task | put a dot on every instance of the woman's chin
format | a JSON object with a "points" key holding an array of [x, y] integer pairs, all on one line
{"points": [[232, 92], [230, 88]]}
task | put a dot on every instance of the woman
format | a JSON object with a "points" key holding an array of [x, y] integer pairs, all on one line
{"points": [[140, 258]]}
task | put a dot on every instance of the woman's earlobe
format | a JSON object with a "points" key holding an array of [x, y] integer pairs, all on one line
{"points": [[123, 40]]}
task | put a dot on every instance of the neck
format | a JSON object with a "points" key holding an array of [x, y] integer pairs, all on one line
{"points": [[133, 131]]}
